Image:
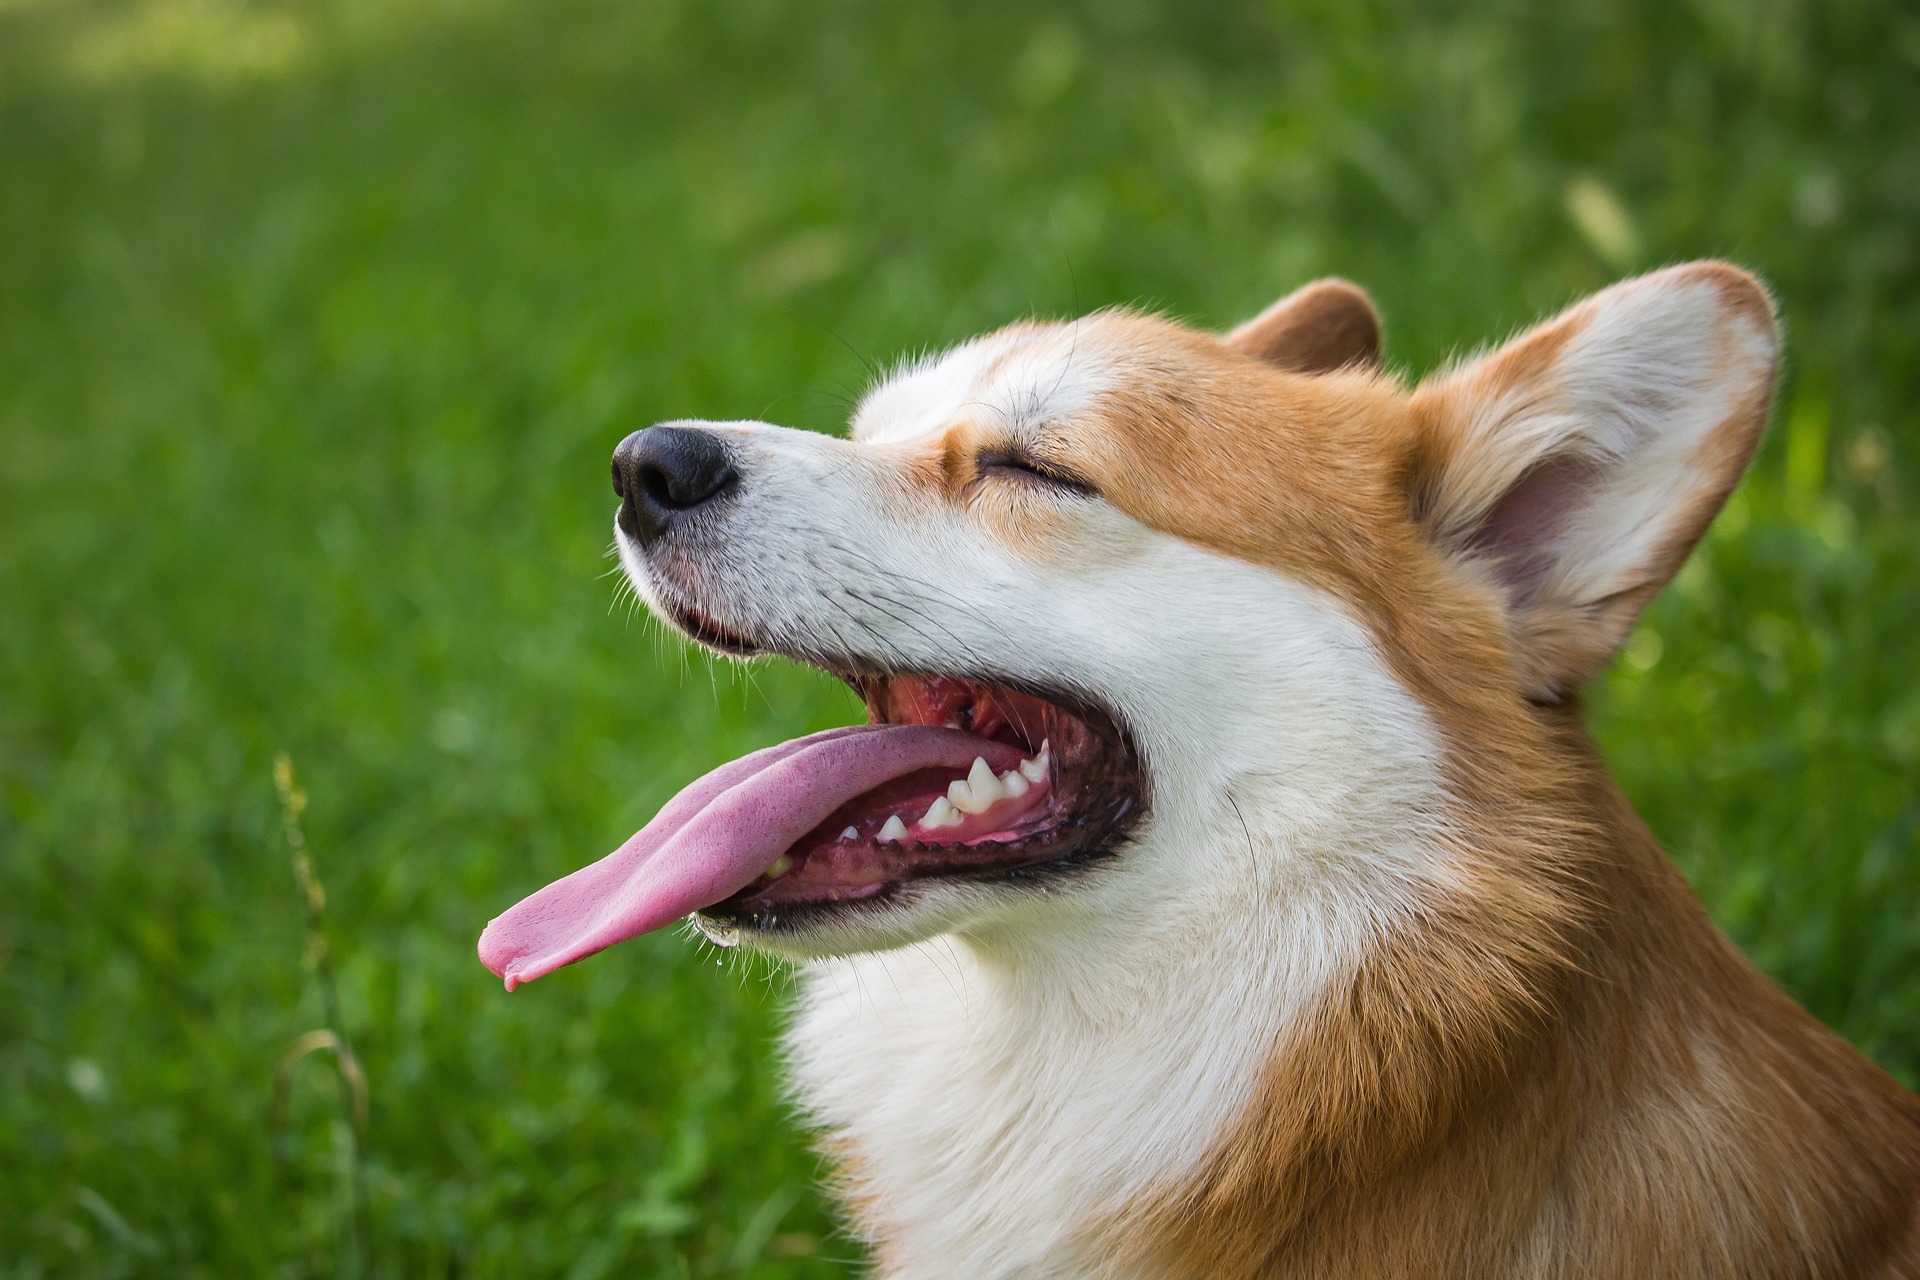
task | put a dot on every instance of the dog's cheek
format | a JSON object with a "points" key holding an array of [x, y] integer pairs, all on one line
{"points": [[1053, 535]]}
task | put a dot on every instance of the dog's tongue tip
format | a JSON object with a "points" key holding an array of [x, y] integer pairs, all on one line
{"points": [[500, 955], [715, 838]]}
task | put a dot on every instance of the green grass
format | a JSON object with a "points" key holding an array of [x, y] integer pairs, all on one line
{"points": [[317, 325]]}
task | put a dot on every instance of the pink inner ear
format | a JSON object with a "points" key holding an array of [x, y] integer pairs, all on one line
{"points": [[1522, 531]]}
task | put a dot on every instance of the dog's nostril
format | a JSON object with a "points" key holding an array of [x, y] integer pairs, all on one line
{"points": [[619, 489], [659, 488]]}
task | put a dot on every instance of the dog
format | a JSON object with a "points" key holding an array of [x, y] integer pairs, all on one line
{"points": [[1225, 885]]}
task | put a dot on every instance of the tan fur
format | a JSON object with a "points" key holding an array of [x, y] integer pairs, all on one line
{"points": [[1563, 1069], [1317, 328]]}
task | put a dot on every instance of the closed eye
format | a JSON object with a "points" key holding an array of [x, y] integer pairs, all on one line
{"points": [[1013, 465]]}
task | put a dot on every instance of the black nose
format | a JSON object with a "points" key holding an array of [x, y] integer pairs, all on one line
{"points": [[662, 473]]}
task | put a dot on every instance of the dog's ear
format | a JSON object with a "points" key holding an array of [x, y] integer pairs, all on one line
{"points": [[1317, 328], [1579, 464]]}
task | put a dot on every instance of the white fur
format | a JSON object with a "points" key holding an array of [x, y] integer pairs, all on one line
{"points": [[1028, 1064], [1019, 376]]}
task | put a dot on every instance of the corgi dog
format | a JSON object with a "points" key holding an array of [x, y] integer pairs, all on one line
{"points": [[1224, 885]]}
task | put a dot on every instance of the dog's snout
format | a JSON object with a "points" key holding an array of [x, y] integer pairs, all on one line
{"points": [[661, 473]]}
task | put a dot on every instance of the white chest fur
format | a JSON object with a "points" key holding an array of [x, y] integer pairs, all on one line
{"points": [[998, 1106]]}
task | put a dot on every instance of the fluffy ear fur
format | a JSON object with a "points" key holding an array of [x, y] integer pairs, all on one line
{"points": [[1580, 463], [1317, 328]]}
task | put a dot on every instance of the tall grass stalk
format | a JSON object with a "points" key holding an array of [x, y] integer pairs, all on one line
{"points": [[349, 1132]]}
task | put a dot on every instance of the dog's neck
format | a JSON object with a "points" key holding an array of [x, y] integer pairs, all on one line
{"points": [[988, 1107]]}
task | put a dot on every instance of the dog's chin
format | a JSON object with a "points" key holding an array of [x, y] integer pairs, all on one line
{"points": [[856, 883]]}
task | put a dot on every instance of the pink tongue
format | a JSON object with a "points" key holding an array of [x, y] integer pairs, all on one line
{"points": [[714, 839]]}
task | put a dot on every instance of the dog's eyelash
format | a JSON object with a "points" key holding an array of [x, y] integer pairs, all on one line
{"points": [[1020, 466]]}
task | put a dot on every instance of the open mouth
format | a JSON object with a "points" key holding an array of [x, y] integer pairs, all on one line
{"points": [[952, 780], [1061, 789]]}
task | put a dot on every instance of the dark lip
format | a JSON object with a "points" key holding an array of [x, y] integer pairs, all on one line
{"points": [[795, 919], [711, 633]]}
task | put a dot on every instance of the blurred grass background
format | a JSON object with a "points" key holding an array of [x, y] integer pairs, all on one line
{"points": [[317, 325]]}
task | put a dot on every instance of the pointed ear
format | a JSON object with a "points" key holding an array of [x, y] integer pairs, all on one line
{"points": [[1317, 328], [1578, 464]]}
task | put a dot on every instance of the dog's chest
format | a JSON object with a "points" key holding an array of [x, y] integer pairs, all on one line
{"points": [[989, 1123]]}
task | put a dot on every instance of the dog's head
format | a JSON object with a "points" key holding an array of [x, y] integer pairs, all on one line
{"points": [[1247, 594]]}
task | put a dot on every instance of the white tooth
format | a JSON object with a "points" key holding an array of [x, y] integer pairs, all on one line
{"points": [[781, 865], [851, 833], [1014, 783], [978, 791], [941, 813], [894, 830], [969, 798], [1036, 768]]}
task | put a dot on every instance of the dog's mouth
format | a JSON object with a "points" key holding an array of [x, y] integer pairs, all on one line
{"points": [[952, 780], [1062, 788]]}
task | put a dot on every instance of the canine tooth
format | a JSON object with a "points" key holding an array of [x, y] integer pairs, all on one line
{"points": [[978, 791], [781, 865], [1014, 783], [851, 833], [941, 813], [1036, 768], [972, 798], [893, 830]]}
